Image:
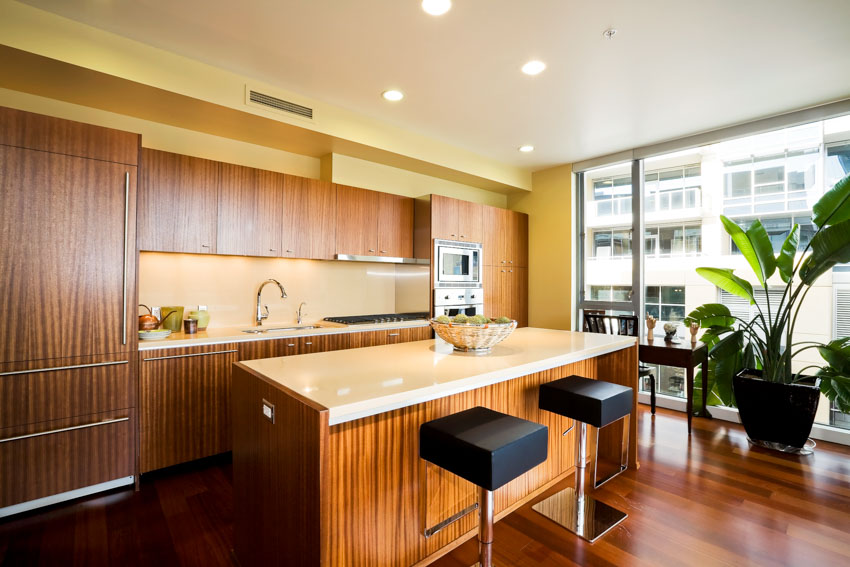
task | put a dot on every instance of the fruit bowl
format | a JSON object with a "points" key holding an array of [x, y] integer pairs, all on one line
{"points": [[473, 338]]}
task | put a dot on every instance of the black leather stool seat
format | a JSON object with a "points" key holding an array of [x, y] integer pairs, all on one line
{"points": [[593, 402], [487, 448]]}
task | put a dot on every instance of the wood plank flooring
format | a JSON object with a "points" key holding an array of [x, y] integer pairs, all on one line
{"points": [[710, 500]]}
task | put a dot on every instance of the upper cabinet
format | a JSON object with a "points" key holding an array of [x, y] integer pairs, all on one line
{"points": [[453, 219], [505, 238], [309, 218], [371, 223], [250, 207], [178, 203]]}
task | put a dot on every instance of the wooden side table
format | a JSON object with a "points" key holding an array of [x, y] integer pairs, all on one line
{"points": [[685, 355]]}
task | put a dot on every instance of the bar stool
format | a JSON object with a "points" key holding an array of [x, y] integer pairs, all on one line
{"points": [[595, 403], [487, 448]]}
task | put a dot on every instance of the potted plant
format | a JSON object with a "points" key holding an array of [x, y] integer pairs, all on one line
{"points": [[750, 361]]}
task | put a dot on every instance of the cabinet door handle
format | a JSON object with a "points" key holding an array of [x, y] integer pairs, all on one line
{"points": [[463, 236], [126, 238], [371, 249], [56, 368], [393, 334], [61, 429], [272, 250], [289, 251], [205, 245], [188, 355], [454, 235], [290, 344], [383, 251], [308, 343], [503, 261]]}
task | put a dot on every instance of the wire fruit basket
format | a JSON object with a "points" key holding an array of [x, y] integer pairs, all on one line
{"points": [[473, 338]]}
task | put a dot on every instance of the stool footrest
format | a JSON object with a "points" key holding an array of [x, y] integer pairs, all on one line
{"points": [[583, 515]]}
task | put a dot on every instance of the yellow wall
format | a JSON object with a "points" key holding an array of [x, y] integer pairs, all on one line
{"points": [[550, 236]]}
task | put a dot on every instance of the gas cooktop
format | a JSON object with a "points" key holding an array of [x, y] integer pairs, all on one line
{"points": [[382, 318]]}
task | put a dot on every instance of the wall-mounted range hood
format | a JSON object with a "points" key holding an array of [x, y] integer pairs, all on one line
{"points": [[384, 259]]}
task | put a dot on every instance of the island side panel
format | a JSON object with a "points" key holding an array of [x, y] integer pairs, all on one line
{"points": [[278, 468], [382, 495], [620, 367]]}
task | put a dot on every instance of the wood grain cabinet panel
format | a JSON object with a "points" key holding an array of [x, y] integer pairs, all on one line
{"points": [[51, 457], [178, 203], [356, 222], [67, 267], [494, 242], [309, 218], [184, 404], [455, 219], [517, 244], [250, 207], [56, 135], [45, 394], [395, 225]]}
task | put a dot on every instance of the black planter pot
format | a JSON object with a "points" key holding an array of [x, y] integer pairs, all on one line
{"points": [[775, 415]]}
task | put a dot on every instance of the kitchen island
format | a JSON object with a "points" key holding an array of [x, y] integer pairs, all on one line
{"points": [[325, 460]]}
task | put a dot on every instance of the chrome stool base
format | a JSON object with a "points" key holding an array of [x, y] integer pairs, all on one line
{"points": [[583, 515]]}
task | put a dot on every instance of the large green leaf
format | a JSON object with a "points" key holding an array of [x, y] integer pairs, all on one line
{"points": [[785, 260], [711, 315], [830, 246], [728, 281], [837, 354], [713, 335], [764, 251], [745, 245], [837, 201], [836, 387], [728, 345], [724, 369]]}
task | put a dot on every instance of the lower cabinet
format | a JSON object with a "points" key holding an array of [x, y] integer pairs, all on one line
{"points": [[184, 393], [184, 404], [51, 457]]}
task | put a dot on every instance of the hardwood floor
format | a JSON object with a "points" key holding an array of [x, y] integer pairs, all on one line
{"points": [[712, 500]]}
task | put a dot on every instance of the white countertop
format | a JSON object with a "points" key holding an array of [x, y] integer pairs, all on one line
{"points": [[222, 335], [357, 383]]}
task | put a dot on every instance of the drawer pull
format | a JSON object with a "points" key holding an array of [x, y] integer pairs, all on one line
{"points": [[393, 334], [290, 344], [308, 343], [188, 355], [61, 429], [55, 368]]}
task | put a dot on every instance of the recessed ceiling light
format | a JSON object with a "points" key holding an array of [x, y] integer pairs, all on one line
{"points": [[533, 67], [436, 7], [526, 149], [393, 95], [609, 33]]}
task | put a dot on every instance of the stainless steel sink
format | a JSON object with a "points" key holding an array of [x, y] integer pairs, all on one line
{"points": [[279, 329]]}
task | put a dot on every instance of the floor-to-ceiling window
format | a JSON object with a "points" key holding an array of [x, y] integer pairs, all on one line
{"points": [[775, 177]]}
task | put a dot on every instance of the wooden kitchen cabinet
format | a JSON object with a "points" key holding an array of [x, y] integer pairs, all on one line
{"points": [[371, 223], [271, 348], [68, 271], [389, 336], [455, 219], [505, 238], [184, 404], [309, 218], [250, 207], [51, 457], [178, 203], [506, 293]]}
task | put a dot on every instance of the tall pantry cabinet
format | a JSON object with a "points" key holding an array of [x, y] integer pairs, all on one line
{"points": [[67, 306]]}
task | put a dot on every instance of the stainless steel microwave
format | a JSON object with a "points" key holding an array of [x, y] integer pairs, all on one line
{"points": [[457, 264]]}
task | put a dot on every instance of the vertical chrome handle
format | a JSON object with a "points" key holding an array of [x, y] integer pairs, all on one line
{"points": [[126, 237]]}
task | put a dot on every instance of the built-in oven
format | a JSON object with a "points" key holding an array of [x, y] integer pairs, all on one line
{"points": [[453, 301], [457, 264]]}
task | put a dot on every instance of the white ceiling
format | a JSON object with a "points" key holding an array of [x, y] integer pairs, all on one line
{"points": [[675, 67]]}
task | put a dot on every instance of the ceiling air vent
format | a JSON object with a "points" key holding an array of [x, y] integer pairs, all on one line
{"points": [[279, 104]]}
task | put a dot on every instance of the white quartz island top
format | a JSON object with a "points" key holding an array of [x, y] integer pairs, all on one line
{"points": [[357, 383]]}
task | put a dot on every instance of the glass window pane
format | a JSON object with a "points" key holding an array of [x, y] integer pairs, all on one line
{"points": [[601, 244], [650, 242], [690, 198], [769, 208], [676, 200], [693, 239], [692, 171], [653, 310], [652, 295], [670, 180], [837, 163], [603, 208], [672, 312], [649, 204], [602, 189], [664, 202], [600, 293], [769, 189], [775, 174], [622, 242], [671, 240], [738, 184], [621, 293], [673, 294], [622, 186]]}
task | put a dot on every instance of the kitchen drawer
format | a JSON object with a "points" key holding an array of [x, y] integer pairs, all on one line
{"points": [[52, 457], [59, 391], [253, 350]]}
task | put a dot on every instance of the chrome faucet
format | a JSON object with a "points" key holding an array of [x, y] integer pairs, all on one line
{"points": [[299, 313], [263, 312]]}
